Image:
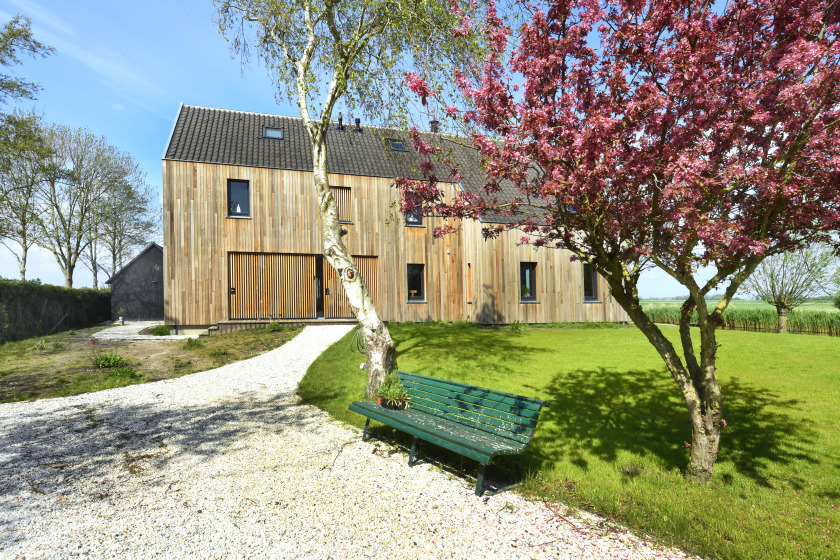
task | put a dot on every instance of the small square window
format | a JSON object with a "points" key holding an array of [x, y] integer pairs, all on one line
{"points": [[415, 283], [238, 198], [590, 283], [413, 219], [272, 132], [528, 281], [398, 145]]}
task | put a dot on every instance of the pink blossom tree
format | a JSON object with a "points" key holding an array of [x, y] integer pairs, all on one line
{"points": [[673, 134]]}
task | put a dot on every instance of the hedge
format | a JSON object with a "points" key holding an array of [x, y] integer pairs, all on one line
{"points": [[30, 309]]}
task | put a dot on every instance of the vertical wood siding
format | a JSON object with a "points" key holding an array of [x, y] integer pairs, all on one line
{"points": [[342, 202], [271, 286], [336, 305], [198, 237]]}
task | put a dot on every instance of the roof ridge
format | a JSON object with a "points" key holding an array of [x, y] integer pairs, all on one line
{"points": [[299, 118]]}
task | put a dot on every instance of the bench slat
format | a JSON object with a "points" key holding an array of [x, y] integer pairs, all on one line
{"points": [[519, 401], [460, 416], [431, 429], [468, 402]]}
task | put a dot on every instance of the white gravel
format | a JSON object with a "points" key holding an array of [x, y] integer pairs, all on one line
{"points": [[228, 463], [131, 331]]}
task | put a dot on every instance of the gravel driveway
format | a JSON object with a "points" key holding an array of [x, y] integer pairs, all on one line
{"points": [[228, 463]]}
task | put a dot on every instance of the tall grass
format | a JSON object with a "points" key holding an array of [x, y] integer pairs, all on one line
{"points": [[755, 319]]}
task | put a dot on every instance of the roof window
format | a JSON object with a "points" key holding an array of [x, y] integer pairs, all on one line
{"points": [[398, 145], [273, 132]]}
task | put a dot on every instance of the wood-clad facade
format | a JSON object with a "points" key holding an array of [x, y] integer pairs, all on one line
{"points": [[267, 264]]}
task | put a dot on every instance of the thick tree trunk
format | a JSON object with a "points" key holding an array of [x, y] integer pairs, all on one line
{"points": [[379, 347], [783, 312], [695, 379]]}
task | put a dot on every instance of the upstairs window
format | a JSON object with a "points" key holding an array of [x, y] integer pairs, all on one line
{"points": [[342, 202], [415, 283], [590, 283], [413, 219], [273, 132], [398, 145], [238, 198], [528, 281]]}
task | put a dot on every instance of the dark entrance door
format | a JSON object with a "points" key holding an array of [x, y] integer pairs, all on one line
{"points": [[319, 287]]}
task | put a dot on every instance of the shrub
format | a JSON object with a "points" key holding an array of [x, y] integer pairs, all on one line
{"points": [[124, 373], [279, 327], [518, 326], [160, 330], [192, 344], [107, 360], [45, 345], [29, 308], [218, 352], [837, 300]]}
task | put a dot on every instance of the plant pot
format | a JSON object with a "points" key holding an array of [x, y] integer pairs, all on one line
{"points": [[380, 401], [122, 321], [399, 405]]}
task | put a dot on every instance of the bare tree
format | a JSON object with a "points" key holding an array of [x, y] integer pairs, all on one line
{"points": [[787, 280], [325, 51], [131, 218], [81, 172]]}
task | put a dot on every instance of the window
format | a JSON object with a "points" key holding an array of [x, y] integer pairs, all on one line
{"points": [[238, 199], [272, 132], [413, 219], [590, 283], [398, 145], [415, 283], [342, 203], [528, 281]]}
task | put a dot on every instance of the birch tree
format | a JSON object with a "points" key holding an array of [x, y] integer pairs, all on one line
{"points": [[323, 51]]}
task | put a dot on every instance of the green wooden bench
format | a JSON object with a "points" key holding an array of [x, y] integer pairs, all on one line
{"points": [[475, 422]]}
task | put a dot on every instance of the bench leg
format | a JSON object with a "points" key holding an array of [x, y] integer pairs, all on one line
{"points": [[364, 433], [479, 484], [413, 451]]}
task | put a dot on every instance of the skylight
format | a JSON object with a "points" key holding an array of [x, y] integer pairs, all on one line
{"points": [[271, 132]]}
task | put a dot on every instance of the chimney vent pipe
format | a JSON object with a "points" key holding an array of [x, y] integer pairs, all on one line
{"points": [[434, 126], [358, 125], [340, 124]]}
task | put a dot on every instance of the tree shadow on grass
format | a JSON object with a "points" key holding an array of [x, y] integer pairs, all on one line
{"points": [[602, 413], [75, 448]]}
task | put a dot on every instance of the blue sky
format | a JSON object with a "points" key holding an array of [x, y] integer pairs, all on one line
{"points": [[122, 69]]}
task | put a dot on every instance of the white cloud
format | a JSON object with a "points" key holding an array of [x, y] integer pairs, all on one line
{"points": [[117, 72], [44, 17]]}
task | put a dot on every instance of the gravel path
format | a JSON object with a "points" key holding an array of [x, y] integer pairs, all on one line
{"points": [[131, 331], [228, 463]]}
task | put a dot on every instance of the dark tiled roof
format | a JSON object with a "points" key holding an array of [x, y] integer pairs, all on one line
{"points": [[221, 136]]}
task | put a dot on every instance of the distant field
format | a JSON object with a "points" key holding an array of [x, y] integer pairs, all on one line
{"points": [[742, 304], [819, 317]]}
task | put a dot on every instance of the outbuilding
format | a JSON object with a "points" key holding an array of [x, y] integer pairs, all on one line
{"points": [[138, 286]]}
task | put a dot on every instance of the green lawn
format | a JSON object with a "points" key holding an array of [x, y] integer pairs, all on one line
{"points": [[613, 441]]}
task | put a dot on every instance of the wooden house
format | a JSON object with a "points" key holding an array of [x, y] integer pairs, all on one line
{"points": [[242, 238], [137, 288]]}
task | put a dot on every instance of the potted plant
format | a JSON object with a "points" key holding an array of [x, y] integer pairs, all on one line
{"points": [[392, 395], [121, 315]]}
